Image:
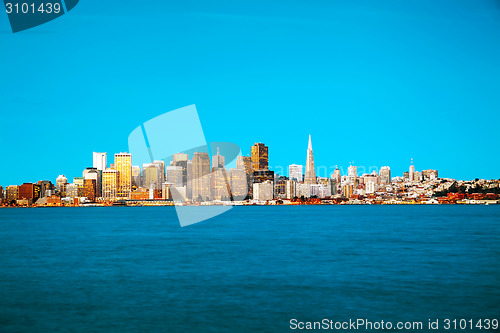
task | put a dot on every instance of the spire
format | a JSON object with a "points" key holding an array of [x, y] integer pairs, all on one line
{"points": [[310, 146], [217, 150]]}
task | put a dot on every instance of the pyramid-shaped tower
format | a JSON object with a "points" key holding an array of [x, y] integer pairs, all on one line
{"points": [[310, 176]]}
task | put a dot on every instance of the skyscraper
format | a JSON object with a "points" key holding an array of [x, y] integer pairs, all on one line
{"points": [[337, 177], [218, 160], [174, 175], [295, 171], [61, 182], [94, 174], [123, 164], [136, 176], [260, 157], [310, 176], [110, 182], [181, 160], [245, 163], [201, 176], [100, 161], [385, 175]]}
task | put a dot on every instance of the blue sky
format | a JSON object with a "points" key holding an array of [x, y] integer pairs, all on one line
{"points": [[374, 82]]}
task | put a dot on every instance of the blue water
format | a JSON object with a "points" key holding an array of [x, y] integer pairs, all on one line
{"points": [[252, 269]]}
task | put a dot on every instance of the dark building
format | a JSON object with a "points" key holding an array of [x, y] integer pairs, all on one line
{"points": [[29, 191], [263, 175], [90, 189], [260, 157], [46, 188]]}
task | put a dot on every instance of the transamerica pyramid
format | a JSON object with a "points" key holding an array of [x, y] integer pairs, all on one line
{"points": [[310, 176]]}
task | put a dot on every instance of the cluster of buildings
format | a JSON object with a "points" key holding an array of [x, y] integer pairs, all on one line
{"points": [[204, 180]]}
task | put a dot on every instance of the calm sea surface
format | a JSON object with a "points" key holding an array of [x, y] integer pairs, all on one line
{"points": [[249, 270]]}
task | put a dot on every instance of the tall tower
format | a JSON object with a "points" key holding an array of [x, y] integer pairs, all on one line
{"points": [[100, 161], [260, 157], [123, 164], [218, 160], [310, 176], [201, 176], [412, 171]]}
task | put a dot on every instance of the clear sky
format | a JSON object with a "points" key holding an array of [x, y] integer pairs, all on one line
{"points": [[374, 82]]}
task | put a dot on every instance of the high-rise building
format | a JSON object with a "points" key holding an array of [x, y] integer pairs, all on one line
{"points": [[245, 163], [239, 184], [93, 174], [123, 164], [100, 161], [136, 176], [61, 182], [411, 172], [46, 188], [280, 187], [263, 191], [1, 193], [110, 182], [189, 187], [337, 177], [78, 182], [201, 176], [220, 183], [385, 175], [11, 193], [181, 160], [90, 189], [29, 191], [174, 175], [310, 175], [291, 189], [295, 171], [151, 175], [260, 157], [218, 160]]}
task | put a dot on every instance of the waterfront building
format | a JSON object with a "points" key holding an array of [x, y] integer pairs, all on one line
{"points": [[1, 193], [295, 171], [201, 176], [100, 161], [263, 191], [310, 175], [260, 157], [110, 179]]}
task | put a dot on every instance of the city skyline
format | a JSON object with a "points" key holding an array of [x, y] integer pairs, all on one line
{"points": [[206, 178]]}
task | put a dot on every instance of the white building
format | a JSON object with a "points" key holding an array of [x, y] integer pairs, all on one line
{"points": [[100, 161], [295, 171], [263, 191]]}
